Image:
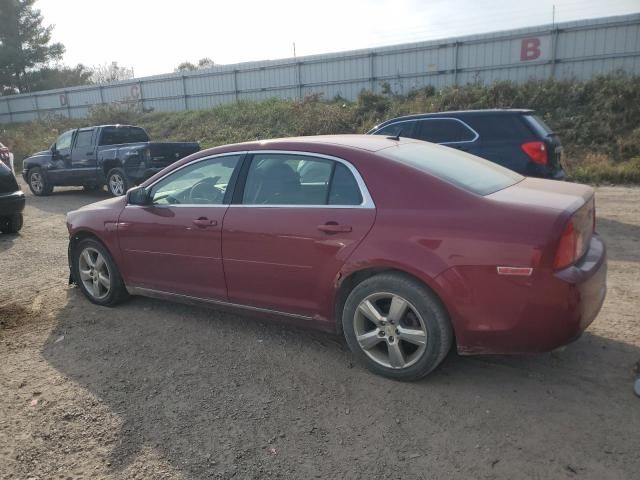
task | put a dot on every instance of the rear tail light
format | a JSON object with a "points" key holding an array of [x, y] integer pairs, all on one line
{"points": [[576, 236], [536, 151]]}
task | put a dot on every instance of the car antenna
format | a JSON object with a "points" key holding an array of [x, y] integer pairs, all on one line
{"points": [[396, 136]]}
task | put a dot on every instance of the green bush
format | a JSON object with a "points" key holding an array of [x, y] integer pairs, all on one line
{"points": [[598, 120]]}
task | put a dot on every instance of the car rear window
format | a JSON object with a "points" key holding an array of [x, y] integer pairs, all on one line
{"points": [[120, 135], [466, 171]]}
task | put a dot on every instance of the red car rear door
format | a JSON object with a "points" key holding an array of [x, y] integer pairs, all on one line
{"points": [[174, 244], [299, 218]]}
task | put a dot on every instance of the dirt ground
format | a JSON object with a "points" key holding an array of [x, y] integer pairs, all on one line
{"points": [[152, 389]]}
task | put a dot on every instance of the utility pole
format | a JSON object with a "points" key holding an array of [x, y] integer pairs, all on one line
{"points": [[294, 49]]}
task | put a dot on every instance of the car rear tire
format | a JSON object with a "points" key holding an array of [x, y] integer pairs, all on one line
{"points": [[96, 274], [117, 183], [38, 183], [11, 223], [396, 327]]}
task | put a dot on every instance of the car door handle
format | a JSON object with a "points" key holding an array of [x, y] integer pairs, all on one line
{"points": [[205, 222], [333, 227]]}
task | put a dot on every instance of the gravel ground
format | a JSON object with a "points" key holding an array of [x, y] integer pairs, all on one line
{"points": [[158, 390]]}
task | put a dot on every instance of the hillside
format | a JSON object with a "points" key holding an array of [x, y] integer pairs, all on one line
{"points": [[598, 120]]}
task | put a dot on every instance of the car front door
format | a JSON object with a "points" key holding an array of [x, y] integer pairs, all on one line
{"points": [[173, 245], [60, 172], [83, 155], [293, 223]]}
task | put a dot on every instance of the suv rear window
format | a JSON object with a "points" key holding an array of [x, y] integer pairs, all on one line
{"points": [[466, 171], [538, 125], [119, 135]]}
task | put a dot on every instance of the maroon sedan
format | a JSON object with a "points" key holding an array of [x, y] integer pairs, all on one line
{"points": [[403, 246]]}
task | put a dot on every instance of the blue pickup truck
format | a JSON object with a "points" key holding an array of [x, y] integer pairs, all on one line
{"points": [[119, 156]]}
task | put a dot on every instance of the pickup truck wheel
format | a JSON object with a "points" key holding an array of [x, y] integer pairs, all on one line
{"points": [[38, 183], [11, 223], [117, 182], [96, 273]]}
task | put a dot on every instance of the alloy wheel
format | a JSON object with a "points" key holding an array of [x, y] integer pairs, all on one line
{"points": [[36, 181], [390, 330], [94, 273], [116, 184]]}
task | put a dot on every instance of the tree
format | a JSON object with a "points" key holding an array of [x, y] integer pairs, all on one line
{"points": [[48, 78], [110, 72], [203, 63], [25, 44]]}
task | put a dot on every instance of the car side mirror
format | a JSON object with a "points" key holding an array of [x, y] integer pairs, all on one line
{"points": [[138, 196]]}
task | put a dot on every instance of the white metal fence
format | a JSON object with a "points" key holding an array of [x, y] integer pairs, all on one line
{"points": [[570, 50]]}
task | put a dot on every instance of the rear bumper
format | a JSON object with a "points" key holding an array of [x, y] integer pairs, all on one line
{"points": [[11, 203], [500, 314]]}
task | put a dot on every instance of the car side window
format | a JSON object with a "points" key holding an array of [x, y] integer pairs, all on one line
{"points": [[404, 129], [84, 139], [287, 179], [443, 130], [344, 188], [202, 183], [64, 141]]}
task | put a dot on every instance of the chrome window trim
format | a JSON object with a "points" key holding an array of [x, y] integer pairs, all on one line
{"points": [[477, 135], [367, 200], [192, 162]]}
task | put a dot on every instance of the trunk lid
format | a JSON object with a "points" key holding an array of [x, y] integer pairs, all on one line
{"points": [[545, 194]]}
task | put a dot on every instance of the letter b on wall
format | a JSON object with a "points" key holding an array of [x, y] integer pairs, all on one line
{"points": [[530, 49]]}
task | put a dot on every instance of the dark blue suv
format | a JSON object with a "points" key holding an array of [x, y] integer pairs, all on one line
{"points": [[514, 138]]}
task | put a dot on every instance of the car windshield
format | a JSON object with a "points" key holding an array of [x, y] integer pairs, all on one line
{"points": [[466, 171]]}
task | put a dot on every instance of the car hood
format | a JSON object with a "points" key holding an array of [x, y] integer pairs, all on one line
{"points": [[115, 203], [97, 216]]}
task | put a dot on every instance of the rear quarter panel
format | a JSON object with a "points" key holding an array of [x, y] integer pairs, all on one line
{"points": [[434, 231]]}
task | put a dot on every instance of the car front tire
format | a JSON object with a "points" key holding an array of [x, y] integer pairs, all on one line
{"points": [[11, 223], [38, 182], [117, 183], [97, 275], [396, 327]]}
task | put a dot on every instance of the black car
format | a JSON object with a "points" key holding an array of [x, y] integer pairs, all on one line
{"points": [[514, 138], [116, 155], [11, 201]]}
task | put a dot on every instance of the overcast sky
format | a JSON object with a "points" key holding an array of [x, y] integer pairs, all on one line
{"points": [[154, 36]]}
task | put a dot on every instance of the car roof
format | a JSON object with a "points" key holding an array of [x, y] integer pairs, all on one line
{"points": [[116, 125], [460, 114], [370, 143]]}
